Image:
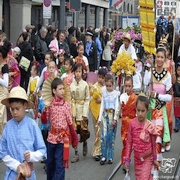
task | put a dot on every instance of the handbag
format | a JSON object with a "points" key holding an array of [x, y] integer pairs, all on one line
{"points": [[24, 63]]}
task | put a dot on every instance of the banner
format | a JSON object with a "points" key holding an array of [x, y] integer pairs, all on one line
{"points": [[47, 9], [147, 19]]}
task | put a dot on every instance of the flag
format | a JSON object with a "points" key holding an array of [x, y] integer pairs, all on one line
{"points": [[117, 3]]}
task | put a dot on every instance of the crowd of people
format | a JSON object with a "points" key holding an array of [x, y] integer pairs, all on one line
{"points": [[66, 76]]}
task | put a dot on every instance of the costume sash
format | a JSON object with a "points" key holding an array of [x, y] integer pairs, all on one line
{"points": [[166, 134]]}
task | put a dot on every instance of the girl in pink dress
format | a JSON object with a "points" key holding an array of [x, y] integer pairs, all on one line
{"points": [[140, 138]]}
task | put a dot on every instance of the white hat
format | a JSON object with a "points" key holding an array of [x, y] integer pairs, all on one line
{"points": [[17, 93]]}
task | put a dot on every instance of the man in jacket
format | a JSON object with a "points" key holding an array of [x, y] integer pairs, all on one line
{"points": [[91, 51], [41, 47]]}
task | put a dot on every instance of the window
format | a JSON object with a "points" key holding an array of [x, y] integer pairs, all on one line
{"points": [[166, 11], [159, 12], [166, 3], [173, 3]]}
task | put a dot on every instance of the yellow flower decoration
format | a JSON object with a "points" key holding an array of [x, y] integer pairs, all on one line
{"points": [[123, 64]]}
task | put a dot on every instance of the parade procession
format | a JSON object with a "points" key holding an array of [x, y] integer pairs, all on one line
{"points": [[92, 102]]}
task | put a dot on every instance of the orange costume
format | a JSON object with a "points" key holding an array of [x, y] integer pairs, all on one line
{"points": [[128, 109], [169, 104]]}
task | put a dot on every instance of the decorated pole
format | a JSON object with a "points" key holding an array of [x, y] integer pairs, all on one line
{"points": [[174, 33]]}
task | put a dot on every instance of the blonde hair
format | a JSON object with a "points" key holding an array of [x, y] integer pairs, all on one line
{"points": [[73, 40]]}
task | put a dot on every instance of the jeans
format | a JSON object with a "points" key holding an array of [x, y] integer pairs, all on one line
{"points": [[177, 122]]}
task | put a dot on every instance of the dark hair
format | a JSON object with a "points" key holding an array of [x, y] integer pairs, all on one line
{"points": [[50, 54], [37, 66], [82, 29], [161, 49], [144, 100], [25, 35], [71, 62], [102, 72], [128, 78], [5, 48], [177, 65], [109, 77], [55, 83], [80, 44], [78, 65], [17, 100]]}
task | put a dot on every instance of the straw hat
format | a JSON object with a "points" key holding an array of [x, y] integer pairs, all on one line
{"points": [[127, 36], [19, 93]]}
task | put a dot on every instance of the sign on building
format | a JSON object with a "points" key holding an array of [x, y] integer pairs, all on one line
{"points": [[159, 4], [47, 8], [75, 5]]}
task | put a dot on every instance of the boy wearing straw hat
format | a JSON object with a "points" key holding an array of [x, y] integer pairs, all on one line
{"points": [[21, 139]]}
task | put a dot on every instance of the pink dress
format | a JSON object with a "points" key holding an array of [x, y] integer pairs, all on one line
{"points": [[140, 139]]}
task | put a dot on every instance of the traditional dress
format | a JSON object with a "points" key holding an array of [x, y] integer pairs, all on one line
{"points": [[3, 94], [80, 98], [18, 138], [109, 112], [169, 104], [96, 93], [13, 67], [161, 85], [128, 109], [60, 117], [31, 87], [139, 139]]}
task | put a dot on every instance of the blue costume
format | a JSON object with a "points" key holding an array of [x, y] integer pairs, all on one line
{"points": [[18, 138], [163, 22]]}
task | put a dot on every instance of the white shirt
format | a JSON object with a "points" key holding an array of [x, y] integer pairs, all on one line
{"points": [[130, 50], [85, 60]]}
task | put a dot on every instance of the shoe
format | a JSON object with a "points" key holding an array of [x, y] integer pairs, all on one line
{"points": [[84, 148], [75, 158], [168, 147], [103, 160], [176, 130], [124, 169], [163, 149], [156, 175], [97, 158], [110, 161]]}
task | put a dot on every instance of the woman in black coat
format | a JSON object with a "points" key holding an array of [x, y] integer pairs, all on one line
{"points": [[27, 52]]}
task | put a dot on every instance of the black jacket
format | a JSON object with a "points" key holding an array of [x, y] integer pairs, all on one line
{"points": [[40, 49], [64, 45]]}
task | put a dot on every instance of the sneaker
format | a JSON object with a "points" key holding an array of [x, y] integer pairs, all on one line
{"points": [[156, 175], [110, 161], [85, 149], [97, 158], [103, 160], [163, 149], [176, 130], [168, 147], [75, 158]]}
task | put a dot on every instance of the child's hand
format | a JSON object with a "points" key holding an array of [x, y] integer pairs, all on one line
{"points": [[156, 163], [114, 122], [98, 100], [27, 156]]}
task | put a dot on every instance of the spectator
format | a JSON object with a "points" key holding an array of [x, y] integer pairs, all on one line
{"points": [[91, 51], [163, 22], [41, 47], [27, 52], [73, 47], [71, 31]]}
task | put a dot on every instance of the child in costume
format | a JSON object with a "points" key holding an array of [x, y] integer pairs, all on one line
{"points": [[139, 138], [68, 76], [81, 58], [33, 81], [95, 104], [160, 83], [21, 139], [80, 98], [43, 76], [137, 78], [177, 99], [61, 127], [61, 62], [108, 116], [128, 109]]}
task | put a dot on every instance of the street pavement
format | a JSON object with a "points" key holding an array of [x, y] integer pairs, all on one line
{"points": [[88, 169]]}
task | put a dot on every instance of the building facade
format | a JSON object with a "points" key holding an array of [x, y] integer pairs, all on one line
{"points": [[16, 14]]}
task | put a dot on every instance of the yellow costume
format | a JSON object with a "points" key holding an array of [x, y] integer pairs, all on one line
{"points": [[80, 106], [96, 93]]}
